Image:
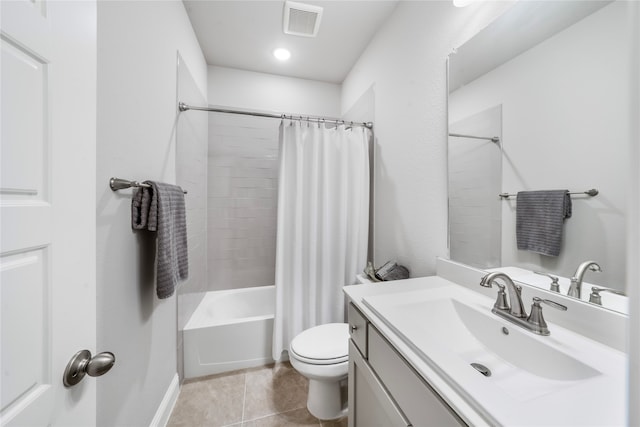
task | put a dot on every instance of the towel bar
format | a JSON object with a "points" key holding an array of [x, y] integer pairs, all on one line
{"points": [[592, 192], [120, 184]]}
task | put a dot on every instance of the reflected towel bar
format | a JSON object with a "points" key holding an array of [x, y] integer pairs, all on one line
{"points": [[488, 138], [120, 184], [592, 192]]}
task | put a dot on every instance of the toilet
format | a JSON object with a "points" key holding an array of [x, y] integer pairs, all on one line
{"points": [[321, 354]]}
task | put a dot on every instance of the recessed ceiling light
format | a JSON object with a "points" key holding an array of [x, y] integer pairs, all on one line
{"points": [[282, 54]]}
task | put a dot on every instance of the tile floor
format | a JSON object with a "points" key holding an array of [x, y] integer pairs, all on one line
{"points": [[270, 396]]}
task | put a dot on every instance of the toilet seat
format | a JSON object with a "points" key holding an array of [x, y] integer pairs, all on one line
{"points": [[326, 344]]}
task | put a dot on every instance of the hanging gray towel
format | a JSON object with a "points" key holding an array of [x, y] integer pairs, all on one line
{"points": [[161, 208], [539, 220]]}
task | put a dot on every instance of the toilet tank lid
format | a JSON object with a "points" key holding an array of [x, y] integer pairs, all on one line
{"points": [[324, 342]]}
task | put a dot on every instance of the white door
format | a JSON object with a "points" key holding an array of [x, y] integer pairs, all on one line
{"points": [[47, 209]]}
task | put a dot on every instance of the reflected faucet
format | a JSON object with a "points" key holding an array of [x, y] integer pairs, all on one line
{"points": [[515, 300], [575, 290]]}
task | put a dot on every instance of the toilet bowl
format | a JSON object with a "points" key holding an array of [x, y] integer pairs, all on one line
{"points": [[321, 354]]}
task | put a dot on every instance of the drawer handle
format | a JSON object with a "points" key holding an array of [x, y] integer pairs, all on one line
{"points": [[353, 328]]}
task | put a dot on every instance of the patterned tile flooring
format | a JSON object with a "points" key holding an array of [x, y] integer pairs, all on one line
{"points": [[270, 396]]}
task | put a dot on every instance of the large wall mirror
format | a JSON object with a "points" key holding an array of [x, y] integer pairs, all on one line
{"points": [[541, 100]]}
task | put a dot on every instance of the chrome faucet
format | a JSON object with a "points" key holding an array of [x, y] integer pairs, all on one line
{"points": [[515, 306], [575, 290], [514, 310]]}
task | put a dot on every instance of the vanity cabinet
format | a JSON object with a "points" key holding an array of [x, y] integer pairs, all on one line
{"points": [[358, 329], [384, 390]]}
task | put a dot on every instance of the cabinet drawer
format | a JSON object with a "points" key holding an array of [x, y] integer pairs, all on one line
{"points": [[358, 329], [419, 402]]}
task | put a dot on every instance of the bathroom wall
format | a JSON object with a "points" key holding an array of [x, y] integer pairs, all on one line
{"points": [[633, 227], [243, 170], [191, 174], [250, 90], [586, 149], [363, 110], [406, 62], [138, 44]]}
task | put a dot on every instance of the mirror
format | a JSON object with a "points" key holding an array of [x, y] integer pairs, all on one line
{"points": [[547, 87]]}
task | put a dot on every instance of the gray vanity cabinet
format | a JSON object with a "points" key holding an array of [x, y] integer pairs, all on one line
{"points": [[383, 389]]}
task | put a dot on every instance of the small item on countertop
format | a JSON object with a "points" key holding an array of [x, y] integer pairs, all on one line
{"points": [[389, 271]]}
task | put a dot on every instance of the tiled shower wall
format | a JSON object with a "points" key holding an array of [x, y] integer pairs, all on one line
{"points": [[242, 201]]}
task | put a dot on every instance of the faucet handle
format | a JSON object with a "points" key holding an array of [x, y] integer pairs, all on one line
{"points": [[501, 300], [553, 304], [595, 297], [555, 287], [536, 320]]}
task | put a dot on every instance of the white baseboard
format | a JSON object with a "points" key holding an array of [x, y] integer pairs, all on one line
{"points": [[168, 402]]}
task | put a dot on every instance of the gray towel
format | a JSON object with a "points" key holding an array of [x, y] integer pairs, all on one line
{"points": [[161, 208], [539, 220]]}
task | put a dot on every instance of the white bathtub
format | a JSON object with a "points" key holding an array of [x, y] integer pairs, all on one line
{"points": [[229, 330]]}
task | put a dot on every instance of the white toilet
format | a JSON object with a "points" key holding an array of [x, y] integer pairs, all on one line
{"points": [[321, 354]]}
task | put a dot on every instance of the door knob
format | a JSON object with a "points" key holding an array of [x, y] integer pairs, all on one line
{"points": [[82, 364]]}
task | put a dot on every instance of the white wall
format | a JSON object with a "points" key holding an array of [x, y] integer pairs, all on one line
{"points": [[406, 62], [191, 174], [565, 126], [230, 87], [633, 227], [138, 44], [363, 110]]}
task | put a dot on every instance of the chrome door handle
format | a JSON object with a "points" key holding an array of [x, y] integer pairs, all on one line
{"points": [[82, 364], [353, 328]]}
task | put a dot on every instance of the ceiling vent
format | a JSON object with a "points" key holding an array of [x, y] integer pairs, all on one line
{"points": [[301, 19]]}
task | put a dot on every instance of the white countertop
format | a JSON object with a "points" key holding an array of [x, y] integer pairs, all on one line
{"points": [[597, 401]]}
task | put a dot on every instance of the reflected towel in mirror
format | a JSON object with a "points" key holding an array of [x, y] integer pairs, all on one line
{"points": [[540, 219]]}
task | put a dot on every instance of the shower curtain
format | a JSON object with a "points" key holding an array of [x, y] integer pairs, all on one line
{"points": [[323, 223]]}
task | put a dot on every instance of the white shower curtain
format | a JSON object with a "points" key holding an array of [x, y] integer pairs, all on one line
{"points": [[323, 223]]}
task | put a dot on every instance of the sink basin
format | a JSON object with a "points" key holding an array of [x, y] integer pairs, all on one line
{"points": [[478, 336], [452, 328]]}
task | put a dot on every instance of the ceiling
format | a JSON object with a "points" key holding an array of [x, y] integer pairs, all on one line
{"points": [[243, 34]]}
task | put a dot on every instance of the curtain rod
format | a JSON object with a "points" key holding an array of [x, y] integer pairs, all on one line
{"points": [[184, 107], [488, 138]]}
